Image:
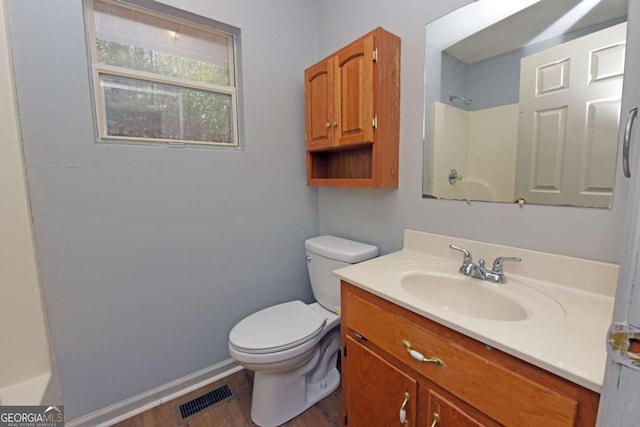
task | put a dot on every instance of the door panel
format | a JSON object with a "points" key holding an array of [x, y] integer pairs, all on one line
{"points": [[621, 387], [619, 401], [600, 147], [570, 95], [548, 150]]}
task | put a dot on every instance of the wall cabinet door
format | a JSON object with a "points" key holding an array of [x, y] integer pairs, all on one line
{"points": [[374, 390], [339, 98], [319, 102], [354, 93]]}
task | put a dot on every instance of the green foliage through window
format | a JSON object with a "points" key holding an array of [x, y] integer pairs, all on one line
{"points": [[163, 80], [141, 59]]}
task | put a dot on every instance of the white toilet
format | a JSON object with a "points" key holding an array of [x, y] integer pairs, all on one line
{"points": [[293, 347]]}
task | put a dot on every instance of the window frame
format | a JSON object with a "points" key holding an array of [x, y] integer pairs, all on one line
{"points": [[178, 16]]}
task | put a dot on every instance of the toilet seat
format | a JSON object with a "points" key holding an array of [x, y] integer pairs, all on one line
{"points": [[277, 328]]}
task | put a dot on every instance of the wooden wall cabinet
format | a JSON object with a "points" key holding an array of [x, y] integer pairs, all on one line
{"points": [[475, 386], [352, 114]]}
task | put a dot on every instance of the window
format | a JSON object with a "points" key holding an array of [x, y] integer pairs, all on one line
{"points": [[159, 78]]}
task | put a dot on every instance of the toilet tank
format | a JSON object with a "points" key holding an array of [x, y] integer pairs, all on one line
{"points": [[328, 253]]}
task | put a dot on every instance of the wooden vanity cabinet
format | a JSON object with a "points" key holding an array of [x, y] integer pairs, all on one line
{"points": [[476, 385], [373, 390], [352, 114]]}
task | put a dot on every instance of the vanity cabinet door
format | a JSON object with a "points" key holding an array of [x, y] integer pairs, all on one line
{"points": [[374, 390], [446, 411]]}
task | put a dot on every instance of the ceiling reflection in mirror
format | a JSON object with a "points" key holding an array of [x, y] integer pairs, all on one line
{"points": [[522, 101]]}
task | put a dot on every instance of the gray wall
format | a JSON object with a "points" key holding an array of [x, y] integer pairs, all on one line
{"points": [[380, 217], [150, 255], [454, 80]]}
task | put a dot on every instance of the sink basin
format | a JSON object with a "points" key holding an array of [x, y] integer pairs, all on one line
{"points": [[463, 295], [442, 287]]}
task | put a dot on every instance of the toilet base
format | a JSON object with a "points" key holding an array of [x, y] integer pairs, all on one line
{"points": [[277, 398]]}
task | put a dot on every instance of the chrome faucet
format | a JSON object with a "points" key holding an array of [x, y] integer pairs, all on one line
{"points": [[467, 266], [479, 271]]}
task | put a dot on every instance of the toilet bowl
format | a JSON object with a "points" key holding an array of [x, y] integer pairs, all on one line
{"points": [[285, 381], [293, 347]]}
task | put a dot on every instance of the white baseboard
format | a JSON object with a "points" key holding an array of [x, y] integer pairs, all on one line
{"points": [[137, 404]]}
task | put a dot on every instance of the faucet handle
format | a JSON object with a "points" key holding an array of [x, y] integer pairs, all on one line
{"points": [[497, 264], [467, 255]]}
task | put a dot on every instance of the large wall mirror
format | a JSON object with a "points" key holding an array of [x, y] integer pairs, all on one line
{"points": [[522, 101]]}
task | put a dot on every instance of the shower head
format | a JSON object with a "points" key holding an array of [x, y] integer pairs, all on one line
{"points": [[465, 100]]}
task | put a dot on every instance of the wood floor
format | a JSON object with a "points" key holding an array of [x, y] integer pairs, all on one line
{"points": [[235, 411]]}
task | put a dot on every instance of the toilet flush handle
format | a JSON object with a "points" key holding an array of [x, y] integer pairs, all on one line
{"points": [[308, 259]]}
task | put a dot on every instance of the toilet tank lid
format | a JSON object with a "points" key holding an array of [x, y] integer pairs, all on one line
{"points": [[340, 249]]}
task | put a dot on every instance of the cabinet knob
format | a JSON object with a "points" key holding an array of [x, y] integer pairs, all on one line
{"points": [[418, 356], [327, 125], [334, 124]]}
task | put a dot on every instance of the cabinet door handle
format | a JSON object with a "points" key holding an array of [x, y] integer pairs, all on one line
{"points": [[627, 141], [403, 410], [418, 356], [436, 419]]}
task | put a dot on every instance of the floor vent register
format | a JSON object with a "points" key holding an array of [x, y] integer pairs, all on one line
{"points": [[205, 401]]}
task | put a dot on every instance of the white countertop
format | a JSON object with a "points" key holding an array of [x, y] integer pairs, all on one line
{"points": [[566, 336]]}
